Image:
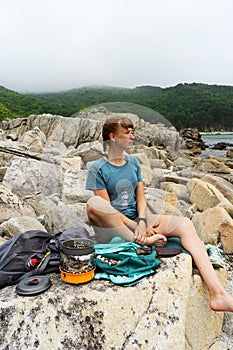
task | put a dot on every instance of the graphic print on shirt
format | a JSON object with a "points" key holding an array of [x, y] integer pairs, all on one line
{"points": [[124, 199], [125, 192]]}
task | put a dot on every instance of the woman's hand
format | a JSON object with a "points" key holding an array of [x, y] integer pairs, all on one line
{"points": [[152, 230], [149, 236], [140, 233]]}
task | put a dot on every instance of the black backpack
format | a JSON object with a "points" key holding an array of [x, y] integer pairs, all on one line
{"points": [[33, 252]]}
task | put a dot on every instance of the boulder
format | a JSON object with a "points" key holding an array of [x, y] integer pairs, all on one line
{"points": [[73, 190], [163, 206], [14, 128], [158, 163], [230, 153], [179, 189], [221, 145], [192, 138], [74, 162], [16, 226], [200, 335], [33, 140], [229, 163], [212, 165], [183, 162], [147, 174], [87, 126], [70, 131], [36, 202], [5, 158], [143, 158], [88, 151], [60, 216], [27, 176], [193, 152], [218, 345], [101, 315], [2, 172], [205, 195], [157, 153], [214, 225], [225, 187], [158, 176], [12, 205], [173, 177]]}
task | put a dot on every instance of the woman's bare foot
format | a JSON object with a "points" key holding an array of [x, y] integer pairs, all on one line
{"points": [[222, 302], [156, 240]]}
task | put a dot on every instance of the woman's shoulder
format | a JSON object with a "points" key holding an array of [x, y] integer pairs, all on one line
{"points": [[97, 164], [132, 159]]}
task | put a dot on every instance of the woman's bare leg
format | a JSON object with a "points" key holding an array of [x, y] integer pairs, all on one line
{"points": [[107, 223], [172, 226]]}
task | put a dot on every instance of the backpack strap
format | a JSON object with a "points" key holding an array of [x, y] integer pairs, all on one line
{"points": [[39, 269], [5, 249], [7, 260]]}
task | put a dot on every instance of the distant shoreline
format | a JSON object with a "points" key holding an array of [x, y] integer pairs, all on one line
{"points": [[216, 132]]}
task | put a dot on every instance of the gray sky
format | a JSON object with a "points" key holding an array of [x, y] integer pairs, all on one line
{"points": [[54, 45]]}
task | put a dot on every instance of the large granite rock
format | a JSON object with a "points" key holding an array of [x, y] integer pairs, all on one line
{"points": [[87, 126], [206, 195], [12, 206], [225, 187], [33, 140], [27, 176], [18, 225], [193, 140], [215, 225], [160, 312]]}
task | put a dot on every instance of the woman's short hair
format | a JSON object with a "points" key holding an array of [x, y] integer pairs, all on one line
{"points": [[112, 124]]}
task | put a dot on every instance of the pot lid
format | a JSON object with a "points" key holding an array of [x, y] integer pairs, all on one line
{"points": [[79, 246], [33, 285]]}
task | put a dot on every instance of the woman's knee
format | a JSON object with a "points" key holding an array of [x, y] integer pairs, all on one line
{"points": [[179, 226], [97, 206], [187, 228], [188, 223], [94, 201]]}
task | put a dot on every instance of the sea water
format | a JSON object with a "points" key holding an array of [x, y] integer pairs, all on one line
{"points": [[212, 139]]}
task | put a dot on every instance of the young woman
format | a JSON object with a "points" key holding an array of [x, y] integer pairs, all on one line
{"points": [[118, 207]]}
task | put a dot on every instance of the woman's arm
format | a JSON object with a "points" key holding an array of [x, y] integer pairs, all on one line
{"points": [[140, 232], [103, 194], [141, 200]]}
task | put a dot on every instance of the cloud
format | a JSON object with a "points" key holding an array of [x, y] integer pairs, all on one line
{"points": [[51, 45]]}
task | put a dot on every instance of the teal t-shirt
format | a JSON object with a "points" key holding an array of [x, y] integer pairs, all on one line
{"points": [[119, 181]]}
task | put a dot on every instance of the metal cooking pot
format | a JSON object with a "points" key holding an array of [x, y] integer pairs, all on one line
{"points": [[75, 260]]}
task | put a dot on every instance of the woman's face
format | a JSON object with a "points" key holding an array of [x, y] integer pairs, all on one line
{"points": [[123, 138]]}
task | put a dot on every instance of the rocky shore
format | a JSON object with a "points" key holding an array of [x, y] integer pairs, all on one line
{"points": [[43, 166]]}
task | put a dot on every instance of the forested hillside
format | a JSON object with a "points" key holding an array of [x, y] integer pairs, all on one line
{"points": [[207, 107]]}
